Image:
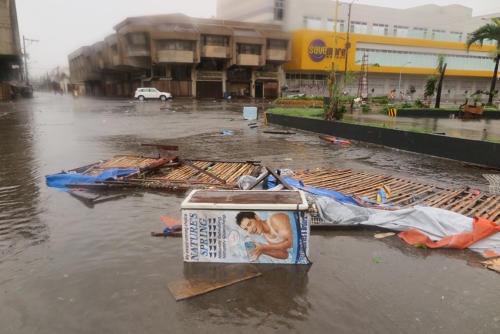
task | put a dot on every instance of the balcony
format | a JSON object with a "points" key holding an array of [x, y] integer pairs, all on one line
{"points": [[276, 55], [248, 60], [213, 51], [175, 56], [138, 51]]}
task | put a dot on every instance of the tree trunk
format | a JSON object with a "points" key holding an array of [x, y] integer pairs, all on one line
{"points": [[440, 87], [493, 81]]}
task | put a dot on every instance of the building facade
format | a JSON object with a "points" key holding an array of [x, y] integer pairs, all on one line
{"points": [[401, 45], [10, 48], [186, 57]]}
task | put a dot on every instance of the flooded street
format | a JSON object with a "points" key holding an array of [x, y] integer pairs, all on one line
{"points": [[66, 268]]}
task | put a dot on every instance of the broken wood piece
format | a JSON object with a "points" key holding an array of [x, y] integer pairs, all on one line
{"points": [[222, 276], [384, 235], [259, 180], [279, 132], [204, 171], [492, 264], [175, 234], [278, 178], [163, 147]]}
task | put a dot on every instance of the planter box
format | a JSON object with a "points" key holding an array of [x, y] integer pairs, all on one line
{"points": [[473, 110], [473, 151]]}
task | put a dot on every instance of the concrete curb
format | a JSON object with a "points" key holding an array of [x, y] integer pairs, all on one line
{"points": [[442, 113]]}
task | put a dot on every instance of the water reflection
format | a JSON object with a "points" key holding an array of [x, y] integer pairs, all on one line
{"points": [[19, 224], [271, 300], [471, 129]]}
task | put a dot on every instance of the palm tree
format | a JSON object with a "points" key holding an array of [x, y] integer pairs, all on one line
{"points": [[441, 68], [489, 31]]}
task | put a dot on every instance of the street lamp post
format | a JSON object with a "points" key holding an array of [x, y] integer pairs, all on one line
{"points": [[401, 70]]}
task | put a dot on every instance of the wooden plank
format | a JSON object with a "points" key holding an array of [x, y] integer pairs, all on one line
{"points": [[222, 277], [278, 178], [457, 201], [467, 205], [442, 200], [259, 180], [163, 147], [201, 170], [478, 210]]}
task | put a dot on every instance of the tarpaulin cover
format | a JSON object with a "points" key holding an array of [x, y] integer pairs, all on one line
{"points": [[429, 226], [61, 180]]}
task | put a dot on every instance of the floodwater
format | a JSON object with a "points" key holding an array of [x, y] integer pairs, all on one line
{"points": [[455, 127], [66, 268]]}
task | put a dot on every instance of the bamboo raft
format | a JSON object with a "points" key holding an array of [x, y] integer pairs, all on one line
{"points": [[174, 174], [404, 193]]}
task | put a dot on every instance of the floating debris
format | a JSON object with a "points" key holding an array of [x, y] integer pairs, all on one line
{"points": [[223, 276]]}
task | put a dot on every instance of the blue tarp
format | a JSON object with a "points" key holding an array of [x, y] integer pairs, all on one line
{"points": [[61, 180]]}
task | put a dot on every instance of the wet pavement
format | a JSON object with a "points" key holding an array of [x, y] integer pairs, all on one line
{"points": [[65, 268]]}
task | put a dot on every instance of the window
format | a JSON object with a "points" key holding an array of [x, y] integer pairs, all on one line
{"points": [[455, 36], [250, 49], [439, 35], [380, 29], [330, 23], [173, 44], [419, 33], [278, 10], [424, 59], [137, 39], [312, 23], [277, 44], [359, 27], [489, 42], [216, 40], [401, 31]]}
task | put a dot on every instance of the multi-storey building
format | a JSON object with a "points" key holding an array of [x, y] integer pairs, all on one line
{"points": [[402, 45], [10, 48], [185, 56]]}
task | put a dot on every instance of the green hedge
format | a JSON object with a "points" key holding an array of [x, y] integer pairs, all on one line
{"points": [[298, 112]]}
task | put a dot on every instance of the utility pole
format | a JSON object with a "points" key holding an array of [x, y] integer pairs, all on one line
{"points": [[25, 55], [347, 44]]}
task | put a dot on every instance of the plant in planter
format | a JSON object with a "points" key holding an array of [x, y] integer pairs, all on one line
{"points": [[474, 109], [419, 103], [430, 87], [336, 110]]}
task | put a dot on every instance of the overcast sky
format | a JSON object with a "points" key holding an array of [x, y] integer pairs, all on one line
{"points": [[62, 26]]}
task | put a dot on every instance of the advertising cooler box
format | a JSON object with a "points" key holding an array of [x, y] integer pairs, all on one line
{"points": [[239, 226]]}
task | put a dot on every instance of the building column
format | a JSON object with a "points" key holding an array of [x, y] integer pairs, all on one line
{"points": [[224, 81], [281, 73], [252, 84], [193, 80]]}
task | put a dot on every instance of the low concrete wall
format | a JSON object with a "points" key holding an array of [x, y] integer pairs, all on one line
{"points": [[473, 151], [442, 113]]}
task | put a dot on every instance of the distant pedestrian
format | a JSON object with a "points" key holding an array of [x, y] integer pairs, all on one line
{"points": [[485, 134], [391, 95]]}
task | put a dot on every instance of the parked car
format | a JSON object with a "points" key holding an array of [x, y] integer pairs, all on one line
{"points": [[151, 93]]}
